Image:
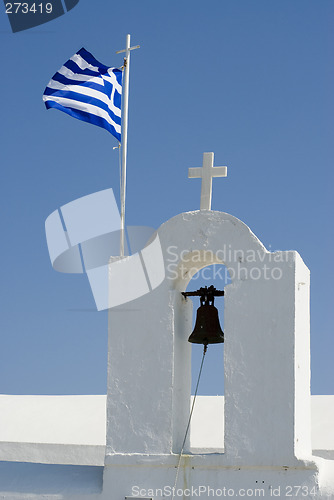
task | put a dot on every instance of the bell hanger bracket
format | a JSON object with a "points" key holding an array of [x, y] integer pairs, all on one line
{"points": [[207, 294]]}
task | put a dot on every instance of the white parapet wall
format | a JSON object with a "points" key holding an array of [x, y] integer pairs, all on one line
{"points": [[72, 429], [53, 429]]}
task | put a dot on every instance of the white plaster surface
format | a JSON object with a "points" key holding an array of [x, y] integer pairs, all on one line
{"points": [[72, 429], [323, 426], [53, 419], [53, 429]]}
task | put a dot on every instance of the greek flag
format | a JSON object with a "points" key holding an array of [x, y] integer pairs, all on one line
{"points": [[88, 90]]}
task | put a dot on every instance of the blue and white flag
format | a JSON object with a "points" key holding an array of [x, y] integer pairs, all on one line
{"points": [[88, 90]]}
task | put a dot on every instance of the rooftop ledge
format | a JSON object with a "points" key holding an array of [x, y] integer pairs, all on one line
{"points": [[71, 430]]}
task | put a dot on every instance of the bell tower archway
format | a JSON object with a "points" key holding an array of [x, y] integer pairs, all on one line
{"points": [[212, 377]]}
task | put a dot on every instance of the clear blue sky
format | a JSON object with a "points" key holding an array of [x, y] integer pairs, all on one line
{"points": [[251, 81]]}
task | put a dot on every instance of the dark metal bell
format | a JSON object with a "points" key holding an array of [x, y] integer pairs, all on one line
{"points": [[207, 327]]}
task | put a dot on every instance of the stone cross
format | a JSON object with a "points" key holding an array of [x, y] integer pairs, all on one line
{"points": [[206, 172]]}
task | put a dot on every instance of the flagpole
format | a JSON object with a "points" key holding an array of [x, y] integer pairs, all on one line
{"points": [[124, 136]]}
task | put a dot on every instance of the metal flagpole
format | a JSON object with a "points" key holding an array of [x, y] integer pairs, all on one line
{"points": [[124, 134]]}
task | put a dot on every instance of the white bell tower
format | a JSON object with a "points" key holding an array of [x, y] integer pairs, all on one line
{"points": [[267, 365]]}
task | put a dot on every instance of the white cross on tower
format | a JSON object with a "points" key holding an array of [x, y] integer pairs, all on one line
{"points": [[206, 172]]}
